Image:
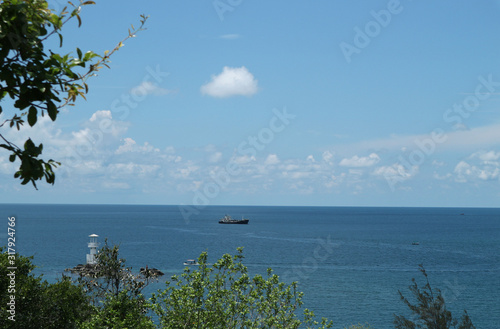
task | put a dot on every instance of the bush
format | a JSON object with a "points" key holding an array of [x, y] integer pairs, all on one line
{"points": [[37, 303], [430, 310], [225, 296]]}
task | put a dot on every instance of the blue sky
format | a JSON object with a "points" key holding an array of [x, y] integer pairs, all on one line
{"points": [[331, 103]]}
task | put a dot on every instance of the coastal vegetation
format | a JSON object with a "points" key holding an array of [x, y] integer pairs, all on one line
{"points": [[224, 295], [430, 310], [220, 295]]}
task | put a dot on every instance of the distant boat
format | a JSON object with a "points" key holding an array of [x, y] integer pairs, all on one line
{"points": [[229, 220], [191, 262], [415, 243]]}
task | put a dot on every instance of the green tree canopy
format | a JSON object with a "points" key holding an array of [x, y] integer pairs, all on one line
{"points": [[116, 292], [40, 81], [36, 303], [223, 295]]}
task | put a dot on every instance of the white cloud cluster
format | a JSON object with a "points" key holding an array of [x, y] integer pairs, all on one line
{"points": [[130, 145], [231, 82], [482, 166], [357, 161], [272, 159], [396, 172], [101, 155]]}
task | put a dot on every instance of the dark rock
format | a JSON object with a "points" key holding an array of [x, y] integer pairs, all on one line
{"points": [[151, 272]]}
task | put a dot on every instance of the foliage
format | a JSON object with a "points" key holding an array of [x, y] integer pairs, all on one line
{"points": [[224, 296], [111, 276], [38, 81], [430, 310], [119, 311], [58, 305], [116, 292]]}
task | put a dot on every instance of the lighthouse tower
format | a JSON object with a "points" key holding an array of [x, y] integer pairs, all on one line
{"points": [[91, 258]]}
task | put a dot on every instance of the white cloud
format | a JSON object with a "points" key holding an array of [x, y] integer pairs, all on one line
{"points": [[231, 82], [124, 169], [297, 174], [131, 146], [357, 161], [149, 88], [441, 177], [272, 159], [99, 115], [243, 159], [6, 167], [439, 140], [301, 188], [115, 185], [215, 157], [184, 170], [333, 180], [437, 163], [484, 171], [395, 172], [328, 157], [100, 127], [462, 169], [170, 150], [356, 172], [290, 166], [489, 157], [475, 137], [106, 157]]}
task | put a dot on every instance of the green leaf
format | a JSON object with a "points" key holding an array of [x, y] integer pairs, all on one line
{"points": [[79, 52], [88, 56], [12, 158], [32, 116], [52, 110], [29, 146]]}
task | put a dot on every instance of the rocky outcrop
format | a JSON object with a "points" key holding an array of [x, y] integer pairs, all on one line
{"points": [[151, 272], [84, 270]]}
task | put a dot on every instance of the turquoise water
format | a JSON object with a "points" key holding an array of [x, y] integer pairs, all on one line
{"points": [[349, 261]]}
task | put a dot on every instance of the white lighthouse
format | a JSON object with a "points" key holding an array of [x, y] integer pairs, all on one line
{"points": [[93, 244]]}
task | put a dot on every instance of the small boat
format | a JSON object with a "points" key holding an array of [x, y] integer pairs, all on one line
{"points": [[229, 220], [191, 262], [415, 243]]}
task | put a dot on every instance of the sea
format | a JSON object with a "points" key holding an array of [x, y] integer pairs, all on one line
{"points": [[350, 262]]}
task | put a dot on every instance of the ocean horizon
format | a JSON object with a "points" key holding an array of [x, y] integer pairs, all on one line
{"points": [[349, 261]]}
